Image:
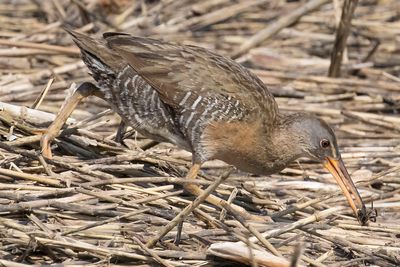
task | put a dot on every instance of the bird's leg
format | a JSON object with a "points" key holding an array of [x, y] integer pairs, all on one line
{"points": [[201, 196], [84, 90], [178, 233], [119, 137], [196, 190], [189, 208]]}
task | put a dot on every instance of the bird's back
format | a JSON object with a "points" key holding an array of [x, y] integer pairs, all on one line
{"points": [[128, 94], [185, 95]]}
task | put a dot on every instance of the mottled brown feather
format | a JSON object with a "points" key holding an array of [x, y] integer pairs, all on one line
{"points": [[173, 70], [207, 104]]}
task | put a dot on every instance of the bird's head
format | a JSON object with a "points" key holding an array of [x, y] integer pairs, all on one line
{"points": [[316, 140]]}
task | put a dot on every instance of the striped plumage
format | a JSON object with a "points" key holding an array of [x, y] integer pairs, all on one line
{"points": [[128, 94], [180, 90], [205, 103]]}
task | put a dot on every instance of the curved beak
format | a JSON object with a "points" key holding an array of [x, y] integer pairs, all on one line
{"points": [[338, 170]]}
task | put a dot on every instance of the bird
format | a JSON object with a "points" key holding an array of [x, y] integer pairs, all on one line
{"points": [[202, 102]]}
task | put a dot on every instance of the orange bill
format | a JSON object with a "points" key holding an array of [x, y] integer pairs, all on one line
{"points": [[339, 171]]}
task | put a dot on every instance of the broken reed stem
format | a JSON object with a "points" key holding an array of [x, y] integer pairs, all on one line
{"points": [[92, 225], [277, 26], [186, 211], [32, 177], [310, 219], [341, 37], [42, 94], [292, 62], [150, 252], [252, 230], [46, 47], [229, 201]]}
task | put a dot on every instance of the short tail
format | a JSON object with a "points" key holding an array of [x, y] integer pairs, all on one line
{"points": [[94, 49], [84, 42]]}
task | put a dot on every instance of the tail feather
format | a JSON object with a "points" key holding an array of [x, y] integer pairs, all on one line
{"points": [[95, 50], [83, 41]]}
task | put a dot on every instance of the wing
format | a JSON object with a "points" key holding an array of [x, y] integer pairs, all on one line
{"points": [[188, 77]]}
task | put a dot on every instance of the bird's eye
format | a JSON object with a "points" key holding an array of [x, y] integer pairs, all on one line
{"points": [[325, 143]]}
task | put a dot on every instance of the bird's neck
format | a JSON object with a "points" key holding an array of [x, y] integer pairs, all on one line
{"points": [[282, 145], [253, 147]]}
